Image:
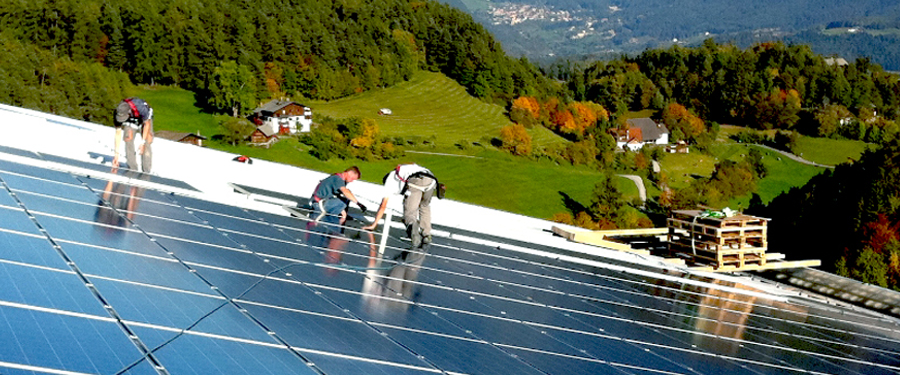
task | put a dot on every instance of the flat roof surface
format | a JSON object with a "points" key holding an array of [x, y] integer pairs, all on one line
{"points": [[176, 273]]}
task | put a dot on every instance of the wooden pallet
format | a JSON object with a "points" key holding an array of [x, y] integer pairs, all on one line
{"points": [[735, 241], [721, 258]]}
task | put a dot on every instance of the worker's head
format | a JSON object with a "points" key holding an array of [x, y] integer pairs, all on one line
{"points": [[122, 114], [352, 174]]}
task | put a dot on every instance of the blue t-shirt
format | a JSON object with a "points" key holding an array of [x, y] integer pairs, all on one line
{"points": [[329, 187]]}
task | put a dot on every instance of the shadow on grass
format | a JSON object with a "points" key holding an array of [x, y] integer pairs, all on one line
{"points": [[572, 205]]}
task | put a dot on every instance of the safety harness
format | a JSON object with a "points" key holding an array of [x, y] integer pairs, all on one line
{"points": [[419, 174]]}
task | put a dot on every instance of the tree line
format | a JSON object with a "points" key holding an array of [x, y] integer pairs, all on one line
{"points": [[235, 53], [849, 218], [767, 86]]}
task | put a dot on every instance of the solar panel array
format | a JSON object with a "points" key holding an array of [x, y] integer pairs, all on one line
{"points": [[106, 277]]}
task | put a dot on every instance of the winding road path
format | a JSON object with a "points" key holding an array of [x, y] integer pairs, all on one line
{"points": [[642, 192]]}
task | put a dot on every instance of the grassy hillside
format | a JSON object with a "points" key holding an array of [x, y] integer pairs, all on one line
{"points": [[428, 105], [481, 176], [829, 151], [174, 109], [783, 173], [487, 178]]}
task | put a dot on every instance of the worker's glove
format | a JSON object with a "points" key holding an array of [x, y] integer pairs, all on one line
{"points": [[361, 207]]}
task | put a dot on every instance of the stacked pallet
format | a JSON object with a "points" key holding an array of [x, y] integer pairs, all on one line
{"points": [[735, 241]]}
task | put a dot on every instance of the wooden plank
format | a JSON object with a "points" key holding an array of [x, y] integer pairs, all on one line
{"points": [[596, 239], [633, 232], [675, 261], [563, 233], [761, 267]]}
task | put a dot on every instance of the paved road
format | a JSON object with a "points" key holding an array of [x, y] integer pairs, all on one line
{"points": [[640, 185], [794, 157]]}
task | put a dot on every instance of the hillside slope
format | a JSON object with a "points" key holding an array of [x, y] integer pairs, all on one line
{"points": [[429, 105]]}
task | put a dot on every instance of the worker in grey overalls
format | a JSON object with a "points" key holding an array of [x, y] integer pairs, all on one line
{"points": [[417, 185], [134, 116]]}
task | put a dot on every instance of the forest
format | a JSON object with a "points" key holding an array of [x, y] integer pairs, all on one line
{"points": [[235, 53], [78, 58]]}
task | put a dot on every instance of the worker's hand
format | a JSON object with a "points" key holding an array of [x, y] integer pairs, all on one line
{"points": [[370, 226], [115, 162], [141, 150], [362, 207]]}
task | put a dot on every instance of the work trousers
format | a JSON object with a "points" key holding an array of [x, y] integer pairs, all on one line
{"points": [[131, 151], [328, 210], [417, 203]]}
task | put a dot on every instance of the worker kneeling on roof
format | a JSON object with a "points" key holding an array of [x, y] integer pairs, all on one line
{"points": [[331, 197], [417, 185]]}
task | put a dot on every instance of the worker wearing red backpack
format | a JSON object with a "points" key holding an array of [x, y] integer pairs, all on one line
{"points": [[417, 185], [134, 116]]}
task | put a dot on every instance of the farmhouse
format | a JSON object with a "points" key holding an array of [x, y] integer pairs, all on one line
{"points": [[265, 135], [288, 117], [642, 131], [189, 138]]}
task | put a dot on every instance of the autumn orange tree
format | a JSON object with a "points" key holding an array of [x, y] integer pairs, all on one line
{"points": [[525, 110], [516, 139], [682, 124]]}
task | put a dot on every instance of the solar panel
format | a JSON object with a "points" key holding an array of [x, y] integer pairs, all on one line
{"points": [[108, 277]]}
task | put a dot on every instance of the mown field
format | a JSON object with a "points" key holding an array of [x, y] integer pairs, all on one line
{"points": [[830, 151], [430, 104], [478, 175], [783, 173]]}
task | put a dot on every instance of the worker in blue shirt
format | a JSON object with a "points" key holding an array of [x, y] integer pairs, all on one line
{"points": [[331, 197]]}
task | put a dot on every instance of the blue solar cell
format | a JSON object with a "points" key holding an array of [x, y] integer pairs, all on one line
{"points": [[17, 151], [28, 170], [285, 222], [553, 363], [457, 354], [16, 219], [232, 258], [81, 211], [278, 248], [29, 250], [142, 201], [162, 271], [182, 230], [62, 343], [508, 332], [5, 199], [178, 310], [103, 233], [240, 224], [191, 354], [120, 171], [71, 191], [199, 204], [338, 365], [46, 288], [332, 334]]}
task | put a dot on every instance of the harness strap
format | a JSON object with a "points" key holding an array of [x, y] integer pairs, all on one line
{"points": [[134, 111]]}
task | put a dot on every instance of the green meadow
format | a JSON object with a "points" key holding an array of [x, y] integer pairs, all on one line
{"points": [[479, 175], [429, 105], [433, 106]]}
